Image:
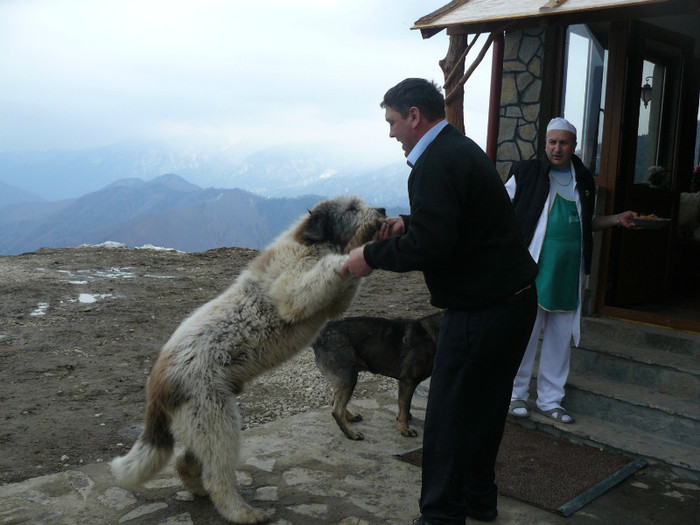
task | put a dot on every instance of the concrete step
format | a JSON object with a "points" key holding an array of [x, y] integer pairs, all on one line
{"points": [[665, 372], [637, 408], [634, 388], [627, 418], [658, 358], [598, 332]]}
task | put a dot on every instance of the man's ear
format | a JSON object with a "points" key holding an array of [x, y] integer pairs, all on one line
{"points": [[414, 116]]}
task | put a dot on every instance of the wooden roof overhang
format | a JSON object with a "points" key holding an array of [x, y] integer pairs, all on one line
{"points": [[486, 16], [461, 18]]}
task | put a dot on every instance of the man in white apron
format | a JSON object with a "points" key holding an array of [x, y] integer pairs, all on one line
{"points": [[554, 200]]}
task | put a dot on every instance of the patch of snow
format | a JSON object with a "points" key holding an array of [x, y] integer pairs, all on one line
{"points": [[87, 298], [106, 244], [114, 244], [114, 272], [157, 248], [40, 310], [81, 277]]}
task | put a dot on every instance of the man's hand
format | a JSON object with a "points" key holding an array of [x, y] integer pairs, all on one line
{"points": [[356, 264], [624, 219], [391, 227]]}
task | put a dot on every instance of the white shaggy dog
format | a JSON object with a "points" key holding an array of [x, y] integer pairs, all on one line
{"points": [[275, 308]]}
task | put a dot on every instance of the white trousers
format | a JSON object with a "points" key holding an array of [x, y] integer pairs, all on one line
{"points": [[553, 368]]}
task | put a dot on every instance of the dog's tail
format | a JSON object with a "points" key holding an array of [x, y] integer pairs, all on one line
{"points": [[144, 460], [155, 445]]}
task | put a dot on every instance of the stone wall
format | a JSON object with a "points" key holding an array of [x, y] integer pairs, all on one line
{"points": [[520, 97]]}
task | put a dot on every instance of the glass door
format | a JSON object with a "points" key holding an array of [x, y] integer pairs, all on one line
{"points": [[649, 175]]}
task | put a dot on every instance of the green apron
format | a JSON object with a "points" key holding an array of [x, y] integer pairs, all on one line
{"points": [[560, 259]]}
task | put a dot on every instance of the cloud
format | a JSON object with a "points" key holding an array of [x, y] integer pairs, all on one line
{"points": [[84, 73]]}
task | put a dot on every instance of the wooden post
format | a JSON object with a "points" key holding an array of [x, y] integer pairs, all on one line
{"points": [[495, 98], [453, 68]]}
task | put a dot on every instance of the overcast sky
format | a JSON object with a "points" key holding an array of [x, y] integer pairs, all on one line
{"points": [[84, 73]]}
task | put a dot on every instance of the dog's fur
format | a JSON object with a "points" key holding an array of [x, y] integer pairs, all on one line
{"points": [[274, 308], [400, 348]]}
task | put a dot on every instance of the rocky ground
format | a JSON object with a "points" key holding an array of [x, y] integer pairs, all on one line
{"points": [[79, 328]]}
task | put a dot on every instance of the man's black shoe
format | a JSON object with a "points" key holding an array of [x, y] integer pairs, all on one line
{"points": [[478, 515], [482, 514], [423, 521]]}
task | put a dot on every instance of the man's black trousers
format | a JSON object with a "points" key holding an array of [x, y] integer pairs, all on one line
{"points": [[477, 357]]}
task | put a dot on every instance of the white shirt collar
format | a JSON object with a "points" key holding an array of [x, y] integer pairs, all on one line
{"points": [[424, 142]]}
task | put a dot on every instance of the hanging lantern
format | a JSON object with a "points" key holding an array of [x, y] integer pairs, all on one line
{"points": [[646, 92]]}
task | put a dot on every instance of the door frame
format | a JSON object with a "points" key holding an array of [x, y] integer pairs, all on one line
{"points": [[621, 102]]}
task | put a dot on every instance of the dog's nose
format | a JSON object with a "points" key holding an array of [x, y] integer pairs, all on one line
{"points": [[381, 211]]}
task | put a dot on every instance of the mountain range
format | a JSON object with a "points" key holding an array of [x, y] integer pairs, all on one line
{"points": [[277, 171], [168, 211]]}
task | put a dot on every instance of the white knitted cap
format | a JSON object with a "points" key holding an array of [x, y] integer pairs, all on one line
{"points": [[561, 124]]}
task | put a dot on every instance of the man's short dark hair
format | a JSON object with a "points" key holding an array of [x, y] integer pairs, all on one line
{"points": [[418, 92]]}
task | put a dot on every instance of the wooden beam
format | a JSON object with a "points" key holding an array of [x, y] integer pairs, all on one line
{"points": [[439, 12], [450, 78], [552, 81], [552, 4], [427, 33], [494, 118], [458, 88], [453, 67]]}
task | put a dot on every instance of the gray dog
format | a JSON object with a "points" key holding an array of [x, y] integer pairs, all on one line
{"points": [[400, 348]]}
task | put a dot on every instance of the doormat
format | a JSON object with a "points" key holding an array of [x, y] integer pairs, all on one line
{"points": [[551, 473]]}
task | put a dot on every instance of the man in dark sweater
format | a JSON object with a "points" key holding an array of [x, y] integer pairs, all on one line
{"points": [[461, 233]]}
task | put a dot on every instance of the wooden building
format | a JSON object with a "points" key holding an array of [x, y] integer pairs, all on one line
{"points": [[626, 73]]}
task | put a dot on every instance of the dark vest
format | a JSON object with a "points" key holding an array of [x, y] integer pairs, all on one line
{"points": [[531, 190]]}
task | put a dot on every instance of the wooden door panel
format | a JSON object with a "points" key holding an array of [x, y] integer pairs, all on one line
{"points": [[644, 268]]}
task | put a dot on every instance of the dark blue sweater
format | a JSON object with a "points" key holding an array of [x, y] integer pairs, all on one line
{"points": [[461, 232]]}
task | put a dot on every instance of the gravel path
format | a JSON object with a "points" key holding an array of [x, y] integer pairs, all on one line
{"points": [[79, 328]]}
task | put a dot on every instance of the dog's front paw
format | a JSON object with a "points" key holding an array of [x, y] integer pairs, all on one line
{"points": [[408, 432], [338, 263]]}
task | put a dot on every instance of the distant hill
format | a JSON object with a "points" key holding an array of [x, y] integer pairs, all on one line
{"points": [[167, 211], [280, 171], [13, 195]]}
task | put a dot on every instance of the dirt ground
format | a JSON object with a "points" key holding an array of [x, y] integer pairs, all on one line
{"points": [[79, 328]]}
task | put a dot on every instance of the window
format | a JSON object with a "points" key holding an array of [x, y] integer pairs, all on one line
{"points": [[583, 94], [648, 166]]}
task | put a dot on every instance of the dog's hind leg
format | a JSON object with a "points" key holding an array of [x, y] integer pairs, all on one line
{"points": [[406, 389], [211, 434], [341, 398], [189, 469]]}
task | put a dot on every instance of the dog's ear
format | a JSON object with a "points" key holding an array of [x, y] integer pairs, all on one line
{"points": [[315, 229]]}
